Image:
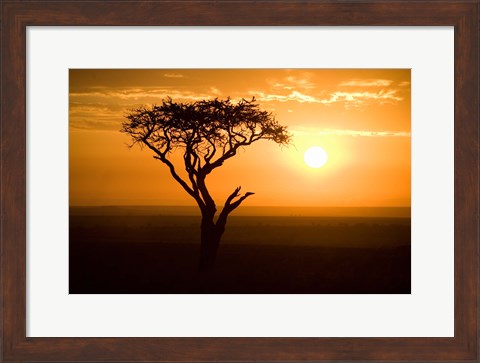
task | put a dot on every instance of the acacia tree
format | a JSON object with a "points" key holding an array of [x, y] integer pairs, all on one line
{"points": [[208, 133]]}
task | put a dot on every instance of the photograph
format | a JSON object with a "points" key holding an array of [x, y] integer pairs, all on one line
{"points": [[239, 181]]}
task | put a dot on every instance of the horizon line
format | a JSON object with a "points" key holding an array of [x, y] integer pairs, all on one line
{"points": [[246, 206]]}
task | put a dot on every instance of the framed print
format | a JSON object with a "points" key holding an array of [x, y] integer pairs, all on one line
{"points": [[240, 181], [273, 269]]}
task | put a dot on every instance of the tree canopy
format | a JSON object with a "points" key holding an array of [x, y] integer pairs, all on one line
{"points": [[208, 132]]}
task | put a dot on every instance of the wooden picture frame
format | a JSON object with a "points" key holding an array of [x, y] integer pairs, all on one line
{"points": [[18, 15]]}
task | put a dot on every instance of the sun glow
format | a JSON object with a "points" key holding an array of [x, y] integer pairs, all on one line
{"points": [[315, 157]]}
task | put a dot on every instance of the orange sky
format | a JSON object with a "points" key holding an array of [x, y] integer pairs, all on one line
{"points": [[360, 117]]}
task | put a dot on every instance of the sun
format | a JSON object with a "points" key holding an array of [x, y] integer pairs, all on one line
{"points": [[315, 157]]}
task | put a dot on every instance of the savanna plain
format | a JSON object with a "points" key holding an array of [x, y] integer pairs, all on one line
{"points": [[264, 250]]}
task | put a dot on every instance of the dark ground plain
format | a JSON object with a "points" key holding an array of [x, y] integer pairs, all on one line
{"points": [[120, 251]]}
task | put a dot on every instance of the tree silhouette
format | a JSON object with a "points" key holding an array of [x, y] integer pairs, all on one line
{"points": [[208, 132]]}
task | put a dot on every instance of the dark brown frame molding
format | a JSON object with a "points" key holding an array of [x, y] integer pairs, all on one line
{"points": [[17, 15]]}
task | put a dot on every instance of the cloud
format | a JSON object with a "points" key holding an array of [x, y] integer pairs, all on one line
{"points": [[145, 95], [280, 86], [366, 133], [367, 83], [350, 99], [215, 91], [95, 116], [106, 105], [403, 84], [293, 96], [101, 108], [301, 82], [300, 88], [173, 75], [358, 98], [347, 132], [96, 124]]}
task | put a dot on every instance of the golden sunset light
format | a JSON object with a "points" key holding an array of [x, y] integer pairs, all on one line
{"points": [[362, 117], [239, 181]]}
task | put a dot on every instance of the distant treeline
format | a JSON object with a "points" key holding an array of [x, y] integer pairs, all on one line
{"points": [[387, 212]]}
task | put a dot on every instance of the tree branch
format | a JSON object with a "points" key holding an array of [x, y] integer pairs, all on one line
{"points": [[160, 156], [230, 206]]}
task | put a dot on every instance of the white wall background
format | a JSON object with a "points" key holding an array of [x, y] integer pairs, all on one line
{"points": [[427, 312]]}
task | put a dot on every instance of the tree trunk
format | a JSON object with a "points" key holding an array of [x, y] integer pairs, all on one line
{"points": [[210, 240]]}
